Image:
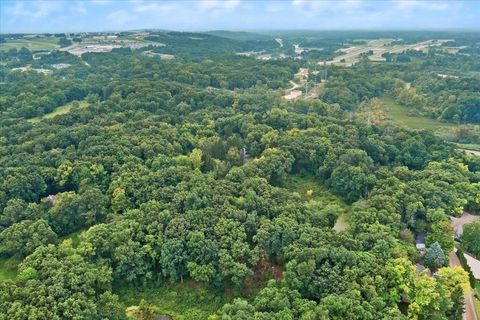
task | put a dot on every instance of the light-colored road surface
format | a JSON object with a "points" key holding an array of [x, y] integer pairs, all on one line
{"points": [[352, 55], [294, 92], [469, 313], [474, 265]]}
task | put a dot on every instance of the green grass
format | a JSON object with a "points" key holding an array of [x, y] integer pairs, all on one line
{"points": [[468, 146], [58, 111], [32, 44], [399, 115], [8, 269], [75, 237], [302, 184], [181, 301]]}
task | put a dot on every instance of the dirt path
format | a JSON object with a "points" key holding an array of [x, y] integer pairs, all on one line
{"points": [[472, 152], [294, 92], [469, 313], [341, 223], [294, 85]]}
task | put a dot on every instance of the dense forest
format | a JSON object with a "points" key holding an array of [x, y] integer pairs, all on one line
{"points": [[179, 171]]}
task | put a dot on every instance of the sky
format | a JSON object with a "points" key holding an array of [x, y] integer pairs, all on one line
{"points": [[36, 16]]}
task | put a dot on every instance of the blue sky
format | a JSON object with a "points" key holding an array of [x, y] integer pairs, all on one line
{"points": [[102, 15]]}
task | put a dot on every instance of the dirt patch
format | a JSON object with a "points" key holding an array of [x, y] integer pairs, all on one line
{"points": [[262, 272], [458, 223]]}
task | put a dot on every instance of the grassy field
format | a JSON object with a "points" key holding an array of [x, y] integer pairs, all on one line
{"points": [[471, 146], [320, 193], [302, 184], [399, 115], [8, 269], [58, 111], [180, 301], [75, 237], [33, 44]]}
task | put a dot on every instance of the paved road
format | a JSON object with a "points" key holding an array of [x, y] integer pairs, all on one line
{"points": [[469, 313]]}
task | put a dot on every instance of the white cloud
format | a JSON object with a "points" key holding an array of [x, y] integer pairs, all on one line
{"points": [[154, 8], [120, 17], [79, 7], [275, 7], [100, 2], [34, 10], [314, 6], [218, 5], [427, 5]]}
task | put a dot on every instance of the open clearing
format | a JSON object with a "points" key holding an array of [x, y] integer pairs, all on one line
{"points": [[180, 301], [378, 47], [294, 92], [399, 115], [470, 151], [8, 269], [32, 44], [102, 44], [320, 194], [58, 111]]}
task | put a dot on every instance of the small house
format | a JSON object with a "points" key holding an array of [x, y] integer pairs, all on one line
{"points": [[420, 241]]}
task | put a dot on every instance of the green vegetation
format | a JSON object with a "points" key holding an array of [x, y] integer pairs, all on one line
{"points": [[60, 110], [315, 193], [468, 146], [402, 116], [320, 193], [181, 301], [471, 238], [8, 269], [33, 44], [75, 238], [189, 187]]}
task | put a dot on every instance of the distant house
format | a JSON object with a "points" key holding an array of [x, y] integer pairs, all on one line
{"points": [[420, 241]]}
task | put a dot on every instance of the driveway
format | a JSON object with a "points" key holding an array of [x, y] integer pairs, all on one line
{"points": [[469, 313]]}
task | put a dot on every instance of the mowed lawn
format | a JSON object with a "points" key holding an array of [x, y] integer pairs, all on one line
{"points": [[58, 111], [32, 44]]}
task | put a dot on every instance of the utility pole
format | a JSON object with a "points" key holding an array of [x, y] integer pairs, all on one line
{"points": [[325, 67]]}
